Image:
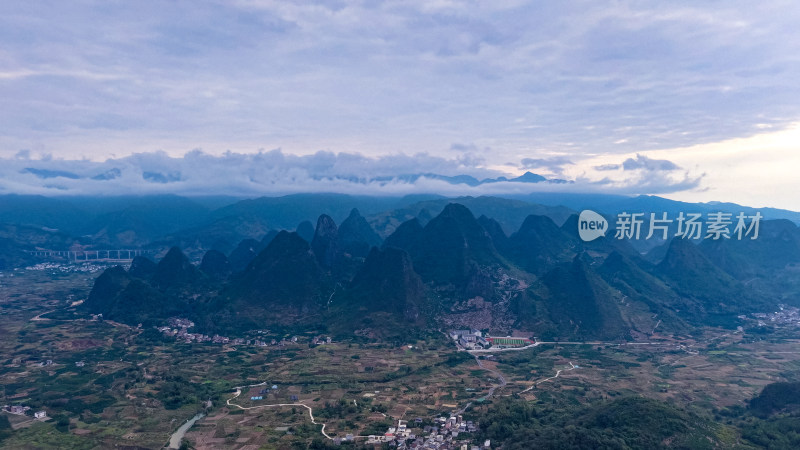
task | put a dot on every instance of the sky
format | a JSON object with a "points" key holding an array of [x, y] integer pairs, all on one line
{"points": [[695, 101]]}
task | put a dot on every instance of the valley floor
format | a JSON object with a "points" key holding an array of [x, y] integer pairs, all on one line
{"points": [[109, 384]]}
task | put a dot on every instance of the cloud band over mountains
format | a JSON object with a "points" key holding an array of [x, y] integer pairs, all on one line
{"points": [[276, 173]]}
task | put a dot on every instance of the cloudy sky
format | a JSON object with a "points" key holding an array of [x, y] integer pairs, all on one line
{"points": [[692, 100]]}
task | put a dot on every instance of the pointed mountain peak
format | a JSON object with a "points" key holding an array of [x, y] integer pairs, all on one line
{"points": [[356, 236], [326, 241], [387, 282], [286, 242], [283, 281], [215, 264], [529, 177], [106, 287], [457, 211], [174, 254], [493, 227], [582, 261], [405, 235], [142, 267], [174, 269], [683, 254], [326, 227], [451, 245], [571, 224], [539, 223], [286, 246], [245, 252]]}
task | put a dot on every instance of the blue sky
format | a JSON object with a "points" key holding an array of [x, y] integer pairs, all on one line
{"points": [[485, 88]]}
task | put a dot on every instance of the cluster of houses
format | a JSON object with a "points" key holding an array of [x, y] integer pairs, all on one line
{"points": [[184, 335], [787, 315], [179, 329], [470, 339], [16, 409], [474, 340], [320, 340], [58, 267], [443, 435], [23, 410], [264, 392]]}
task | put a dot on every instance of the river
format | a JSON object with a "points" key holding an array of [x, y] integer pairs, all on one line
{"points": [[177, 437]]}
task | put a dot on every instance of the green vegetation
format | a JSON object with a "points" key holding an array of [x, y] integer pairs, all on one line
{"points": [[777, 397], [5, 427], [629, 422]]}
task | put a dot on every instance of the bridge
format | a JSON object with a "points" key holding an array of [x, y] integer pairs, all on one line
{"points": [[111, 255]]}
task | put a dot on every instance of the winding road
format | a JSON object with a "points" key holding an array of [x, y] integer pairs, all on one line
{"points": [[310, 411], [500, 377], [558, 373]]}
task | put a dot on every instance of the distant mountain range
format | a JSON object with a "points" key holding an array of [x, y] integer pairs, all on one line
{"points": [[159, 177], [527, 177], [198, 224]]}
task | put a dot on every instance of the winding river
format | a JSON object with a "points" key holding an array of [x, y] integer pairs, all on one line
{"points": [[177, 437]]}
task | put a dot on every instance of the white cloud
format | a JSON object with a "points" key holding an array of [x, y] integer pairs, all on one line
{"points": [[275, 172]]}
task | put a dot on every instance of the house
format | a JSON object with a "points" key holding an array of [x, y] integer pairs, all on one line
{"points": [[40, 414]]}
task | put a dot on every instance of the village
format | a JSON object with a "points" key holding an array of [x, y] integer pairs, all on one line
{"points": [[786, 315], [179, 329], [21, 410], [442, 435]]}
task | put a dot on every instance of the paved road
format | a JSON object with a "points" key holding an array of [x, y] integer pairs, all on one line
{"points": [[538, 343], [558, 373], [500, 377]]}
